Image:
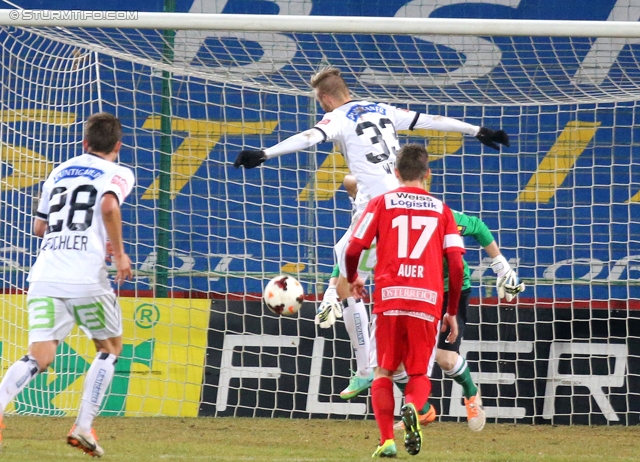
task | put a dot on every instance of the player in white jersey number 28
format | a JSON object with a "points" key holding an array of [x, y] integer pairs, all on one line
{"points": [[78, 212], [366, 134]]}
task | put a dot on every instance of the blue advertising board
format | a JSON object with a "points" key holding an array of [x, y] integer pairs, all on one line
{"points": [[583, 232]]}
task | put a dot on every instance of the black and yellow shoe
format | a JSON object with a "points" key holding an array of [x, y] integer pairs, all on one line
{"points": [[412, 431]]}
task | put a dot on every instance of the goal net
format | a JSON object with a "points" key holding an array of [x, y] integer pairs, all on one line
{"points": [[204, 237]]}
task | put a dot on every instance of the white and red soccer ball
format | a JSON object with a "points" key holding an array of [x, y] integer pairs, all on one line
{"points": [[283, 295]]}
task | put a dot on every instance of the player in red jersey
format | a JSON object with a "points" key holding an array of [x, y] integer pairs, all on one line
{"points": [[414, 232]]}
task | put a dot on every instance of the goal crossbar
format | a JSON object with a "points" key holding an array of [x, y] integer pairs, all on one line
{"points": [[319, 24]]}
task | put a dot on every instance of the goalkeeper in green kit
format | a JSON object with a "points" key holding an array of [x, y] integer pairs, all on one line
{"points": [[447, 354]]}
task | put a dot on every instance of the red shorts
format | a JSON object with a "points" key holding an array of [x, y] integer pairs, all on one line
{"points": [[407, 340]]}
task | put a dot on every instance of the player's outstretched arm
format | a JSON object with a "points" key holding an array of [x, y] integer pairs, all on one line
{"points": [[507, 282], [250, 159], [491, 138], [295, 143], [488, 137]]}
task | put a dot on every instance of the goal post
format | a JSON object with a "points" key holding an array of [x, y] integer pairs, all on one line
{"points": [[562, 201]]}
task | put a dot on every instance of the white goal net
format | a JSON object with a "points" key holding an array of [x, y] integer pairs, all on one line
{"points": [[562, 202]]}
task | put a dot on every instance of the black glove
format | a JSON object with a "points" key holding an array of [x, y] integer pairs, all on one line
{"points": [[489, 138], [250, 159]]}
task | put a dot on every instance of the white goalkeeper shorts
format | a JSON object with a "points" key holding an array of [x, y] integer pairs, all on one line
{"points": [[50, 318], [368, 258]]}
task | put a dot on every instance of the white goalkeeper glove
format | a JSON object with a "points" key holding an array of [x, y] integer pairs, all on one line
{"points": [[329, 310], [507, 281]]}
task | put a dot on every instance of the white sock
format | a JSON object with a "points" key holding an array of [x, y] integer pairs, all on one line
{"points": [[95, 386], [458, 368], [401, 377], [17, 377], [356, 321]]}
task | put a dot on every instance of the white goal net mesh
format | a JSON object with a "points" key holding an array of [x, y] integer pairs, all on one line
{"points": [[562, 202]]}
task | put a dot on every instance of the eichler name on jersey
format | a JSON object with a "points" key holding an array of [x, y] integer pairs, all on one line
{"points": [[412, 201], [66, 243]]}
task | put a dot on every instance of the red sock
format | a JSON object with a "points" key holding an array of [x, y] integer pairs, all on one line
{"points": [[418, 391], [383, 406]]}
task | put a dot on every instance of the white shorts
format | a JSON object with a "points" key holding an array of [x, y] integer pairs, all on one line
{"points": [[99, 317], [368, 258]]}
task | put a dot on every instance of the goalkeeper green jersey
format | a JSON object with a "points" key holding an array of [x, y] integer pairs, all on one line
{"points": [[468, 226]]}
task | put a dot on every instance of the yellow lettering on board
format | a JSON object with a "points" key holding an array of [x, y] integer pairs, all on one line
{"points": [[555, 166], [202, 136]]}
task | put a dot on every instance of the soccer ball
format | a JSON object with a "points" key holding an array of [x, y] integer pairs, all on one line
{"points": [[283, 295]]}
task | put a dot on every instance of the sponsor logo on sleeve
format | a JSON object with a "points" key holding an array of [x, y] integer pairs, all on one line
{"points": [[121, 183]]}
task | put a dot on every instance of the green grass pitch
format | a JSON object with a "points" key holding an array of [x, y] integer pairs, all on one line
{"points": [[42, 439]]}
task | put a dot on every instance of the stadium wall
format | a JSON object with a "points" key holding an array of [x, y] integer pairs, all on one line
{"points": [[188, 358], [533, 375]]}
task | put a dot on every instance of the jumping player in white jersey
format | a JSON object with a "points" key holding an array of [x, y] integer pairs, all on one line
{"points": [[78, 213], [366, 135]]}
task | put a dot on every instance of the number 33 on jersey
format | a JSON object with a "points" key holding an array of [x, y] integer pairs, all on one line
{"points": [[365, 133]]}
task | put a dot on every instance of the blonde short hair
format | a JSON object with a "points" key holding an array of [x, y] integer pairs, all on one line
{"points": [[329, 82]]}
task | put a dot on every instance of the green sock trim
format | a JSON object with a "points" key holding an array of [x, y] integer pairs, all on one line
{"points": [[425, 408], [469, 388], [462, 376]]}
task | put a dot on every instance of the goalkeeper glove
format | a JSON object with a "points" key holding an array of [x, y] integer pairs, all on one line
{"points": [[329, 310], [490, 138], [250, 159], [507, 281]]}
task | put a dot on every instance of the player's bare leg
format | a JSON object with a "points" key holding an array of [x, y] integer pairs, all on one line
{"points": [[82, 435], [356, 321], [455, 366]]}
